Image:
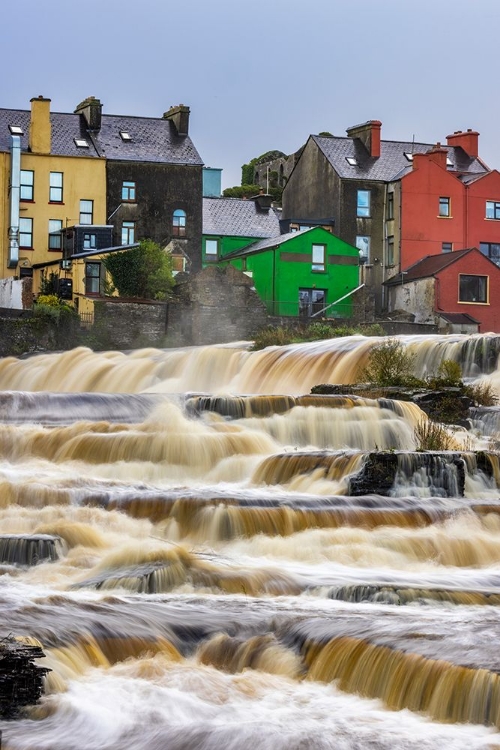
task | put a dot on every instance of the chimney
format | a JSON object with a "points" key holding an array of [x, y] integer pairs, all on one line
{"points": [[91, 109], [40, 127], [467, 139], [437, 154], [369, 135], [262, 201], [180, 117]]}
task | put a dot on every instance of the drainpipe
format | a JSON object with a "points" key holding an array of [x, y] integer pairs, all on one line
{"points": [[15, 190]]}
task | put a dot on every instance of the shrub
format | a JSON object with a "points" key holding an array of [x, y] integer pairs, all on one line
{"points": [[389, 364], [449, 375], [50, 300], [482, 394], [431, 436], [144, 271]]}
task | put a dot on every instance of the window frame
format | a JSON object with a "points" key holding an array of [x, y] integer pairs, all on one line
{"points": [[26, 232], [362, 211], [86, 213], [489, 245], [55, 235], [211, 256], [128, 232], [389, 212], [128, 191], [448, 246], [369, 242], [91, 277], [318, 265], [29, 186], [179, 223], [390, 250], [91, 242], [58, 189], [444, 207], [463, 278], [495, 210]]}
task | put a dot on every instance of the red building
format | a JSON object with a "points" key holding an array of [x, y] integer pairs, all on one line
{"points": [[456, 290], [445, 210]]}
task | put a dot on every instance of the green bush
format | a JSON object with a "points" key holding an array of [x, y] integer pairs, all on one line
{"points": [[389, 364], [144, 271], [449, 375]]}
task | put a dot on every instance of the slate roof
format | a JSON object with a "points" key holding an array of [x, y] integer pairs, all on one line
{"points": [[428, 266], [458, 318], [392, 162], [235, 217], [256, 247], [153, 139]]}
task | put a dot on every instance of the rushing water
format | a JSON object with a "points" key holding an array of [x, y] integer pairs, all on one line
{"points": [[181, 531]]}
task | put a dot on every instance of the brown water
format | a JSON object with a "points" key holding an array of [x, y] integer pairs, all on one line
{"points": [[177, 529]]}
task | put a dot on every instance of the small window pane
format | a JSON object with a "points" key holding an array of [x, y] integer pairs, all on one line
{"points": [[363, 205], [55, 237], [444, 207], [92, 278], [27, 183], [56, 187], [318, 257], [86, 211], [473, 288], [26, 233], [212, 248], [492, 210], [128, 232], [363, 245], [89, 241], [179, 223], [128, 191]]}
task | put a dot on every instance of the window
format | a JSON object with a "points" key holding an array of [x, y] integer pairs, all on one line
{"points": [[125, 136], [81, 143], [444, 207], [363, 204], [92, 278], [128, 191], [363, 245], [179, 223], [55, 236], [211, 249], [491, 250], [311, 301], [128, 232], [27, 183], [389, 214], [86, 211], [89, 241], [408, 156], [56, 187], [26, 233], [492, 210], [390, 251], [318, 257], [473, 289], [447, 247], [16, 130], [352, 161]]}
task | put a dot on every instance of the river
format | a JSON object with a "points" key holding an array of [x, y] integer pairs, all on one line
{"points": [[205, 578]]}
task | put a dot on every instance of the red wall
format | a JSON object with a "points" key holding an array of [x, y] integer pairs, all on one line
{"points": [[422, 229], [481, 229], [446, 299]]}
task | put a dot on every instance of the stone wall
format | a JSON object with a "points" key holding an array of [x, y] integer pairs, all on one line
{"points": [[214, 306], [129, 324]]}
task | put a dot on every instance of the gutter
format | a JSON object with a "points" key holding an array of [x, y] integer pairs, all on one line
{"points": [[15, 192]]}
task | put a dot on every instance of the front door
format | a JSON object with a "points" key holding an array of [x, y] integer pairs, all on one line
{"points": [[311, 301]]}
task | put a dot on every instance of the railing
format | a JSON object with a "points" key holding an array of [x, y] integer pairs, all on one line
{"points": [[86, 319]]}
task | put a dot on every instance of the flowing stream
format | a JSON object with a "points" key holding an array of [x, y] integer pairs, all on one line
{"points": [[181, 531]]}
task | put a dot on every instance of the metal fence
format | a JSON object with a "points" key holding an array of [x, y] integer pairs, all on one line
{"points": [[86, 319]]}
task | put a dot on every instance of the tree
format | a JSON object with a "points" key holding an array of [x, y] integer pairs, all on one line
{"points": [[144, 271]]}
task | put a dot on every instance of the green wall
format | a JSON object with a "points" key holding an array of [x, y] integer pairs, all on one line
{"points": [[278, 276]]}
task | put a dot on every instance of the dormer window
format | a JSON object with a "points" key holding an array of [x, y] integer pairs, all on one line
{"points": [[81, 143], [352, 161], [125, 136], [16, 130]]}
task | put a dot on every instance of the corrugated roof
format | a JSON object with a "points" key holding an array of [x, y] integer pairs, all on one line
{"points": [[235, 217], [152, 139], [256, 247], [392, 162], [458, 318]]}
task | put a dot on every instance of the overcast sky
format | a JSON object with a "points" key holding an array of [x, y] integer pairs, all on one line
{"points": [[264, 74]]}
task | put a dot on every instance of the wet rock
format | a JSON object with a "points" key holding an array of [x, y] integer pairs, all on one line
{"points": [[21, 681]]}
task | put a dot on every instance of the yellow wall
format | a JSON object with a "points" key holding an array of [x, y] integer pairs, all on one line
{"points": [[83, 178]]}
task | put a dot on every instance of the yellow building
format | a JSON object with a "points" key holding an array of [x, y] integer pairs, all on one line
{"points": [[51, 177]]}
